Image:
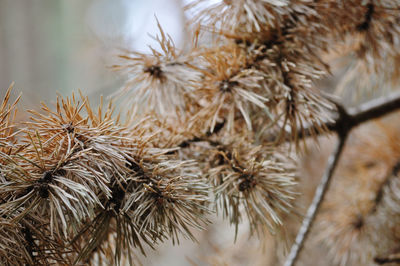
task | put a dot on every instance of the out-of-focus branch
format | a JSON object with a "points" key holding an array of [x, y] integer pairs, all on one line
{"points": [[365, 112], [393, 258], [342, 125], [375, 108], [318, 198]]}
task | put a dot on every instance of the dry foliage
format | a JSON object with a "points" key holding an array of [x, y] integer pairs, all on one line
{"points": [[211, 129]]}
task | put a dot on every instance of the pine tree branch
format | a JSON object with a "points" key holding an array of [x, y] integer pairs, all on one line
{"points": [[365, 112], [375, 108], [345, 122], [318, 198], [393, 258]]}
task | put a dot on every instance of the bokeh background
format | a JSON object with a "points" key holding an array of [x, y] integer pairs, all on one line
{"points": [[59, 46]]}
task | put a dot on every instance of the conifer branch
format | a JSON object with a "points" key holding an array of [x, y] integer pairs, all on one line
{"points": [[393, 258], [317, 200], [365, 112], [345, 122], [375, 108], [80, 186]]}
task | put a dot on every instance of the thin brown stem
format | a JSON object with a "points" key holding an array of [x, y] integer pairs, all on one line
{"points": [[205, 137], [393, 258], [365, 112], [344, 123], [313, 209], [375, 108]]}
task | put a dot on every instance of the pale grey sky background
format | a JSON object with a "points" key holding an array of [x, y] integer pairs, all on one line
{"points": [[49, 46]]}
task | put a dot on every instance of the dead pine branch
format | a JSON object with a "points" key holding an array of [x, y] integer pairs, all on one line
{"points": [[344, 123]]}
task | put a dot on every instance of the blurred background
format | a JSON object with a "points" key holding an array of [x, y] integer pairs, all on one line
{"points": [[50, 46]]}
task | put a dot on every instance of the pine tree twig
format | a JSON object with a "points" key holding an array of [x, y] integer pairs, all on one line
{"points": [[375, 109], [365, 112], [345, 122], [393, 258], [205, 137], [318, 199]]}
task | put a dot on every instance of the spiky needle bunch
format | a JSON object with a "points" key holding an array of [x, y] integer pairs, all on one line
{"points": [[85, 177], [161, 81], [251, 180]]}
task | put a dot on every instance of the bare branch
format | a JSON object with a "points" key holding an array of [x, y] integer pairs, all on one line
{"points": [[375, 108], [345, 122], [365, 112], [393, 258], [318, 198]]}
